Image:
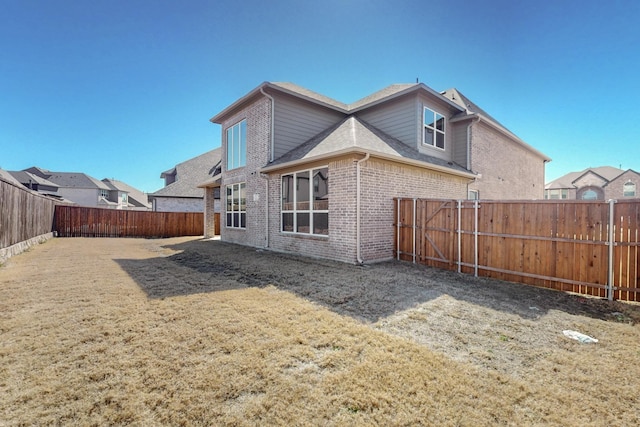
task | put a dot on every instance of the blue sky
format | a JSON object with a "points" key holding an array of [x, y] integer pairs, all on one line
{"points": [[125, 89]]}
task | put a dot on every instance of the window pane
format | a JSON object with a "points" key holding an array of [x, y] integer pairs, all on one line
{"points": [[429, 117], [243, 220], [440, 140], [230, 148], [440, 122], [302, 191], [321, 189], [287, 222], [321, 223], [229, 198], [303, 223], [242, 197], [242, 146], [236, 219], [229, 223], [428, 136], [287, 192]]}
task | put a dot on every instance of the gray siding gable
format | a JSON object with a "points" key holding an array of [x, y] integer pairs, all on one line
{"points": [[397, 119], [295, 122]]}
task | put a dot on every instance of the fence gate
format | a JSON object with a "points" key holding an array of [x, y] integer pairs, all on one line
{"points": [[427, 231]]}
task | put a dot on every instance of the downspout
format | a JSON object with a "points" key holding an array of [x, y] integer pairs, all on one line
{"points": [[358, 251], [271, 135]]}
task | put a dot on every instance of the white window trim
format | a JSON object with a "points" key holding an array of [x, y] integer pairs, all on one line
{"points": [[435, 131], [295, 211]]}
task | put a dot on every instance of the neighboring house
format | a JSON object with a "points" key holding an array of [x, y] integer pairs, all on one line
{"points": [[304, 173], [129, 197], [75, 187], [601, 183], [181, 192]]}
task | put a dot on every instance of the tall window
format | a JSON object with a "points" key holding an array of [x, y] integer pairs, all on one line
{"points": [[236, 206], [629, 189], [305, 202], [237, 145], [433, 128]]}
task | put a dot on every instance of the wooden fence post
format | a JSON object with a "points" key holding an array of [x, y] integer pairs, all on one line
{"points": [[611, 243]]}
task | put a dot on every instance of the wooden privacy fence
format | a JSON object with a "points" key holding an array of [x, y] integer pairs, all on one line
{"points": [[74, 221], [591, 248], [24, 214]]}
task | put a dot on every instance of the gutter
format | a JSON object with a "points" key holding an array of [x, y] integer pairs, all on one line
{"points": [[358, 251], [322, 157]]}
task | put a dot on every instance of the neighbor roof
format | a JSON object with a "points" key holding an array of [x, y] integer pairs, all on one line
{"points": [[567, 181], [25, 178], [355, 135], [75, 180], [190, 174], [135, 196]]}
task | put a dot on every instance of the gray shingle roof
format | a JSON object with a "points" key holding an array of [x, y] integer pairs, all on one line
{"points": [[190, 174], [135, 196], [25, 178], [353, 132], [76, 180], [567, 181]]}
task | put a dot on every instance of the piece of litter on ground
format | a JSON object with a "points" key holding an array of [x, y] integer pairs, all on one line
{"points": [[579, 337], [533, 307]]}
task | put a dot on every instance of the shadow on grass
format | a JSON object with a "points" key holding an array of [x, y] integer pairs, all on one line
{"points": [[367, 293]]}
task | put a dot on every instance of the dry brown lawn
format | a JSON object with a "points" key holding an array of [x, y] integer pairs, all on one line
{"points": [[194, 332]]}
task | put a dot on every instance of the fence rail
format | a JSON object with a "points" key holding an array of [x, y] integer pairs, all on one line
{"points": [[74, 221], [591, 248]]}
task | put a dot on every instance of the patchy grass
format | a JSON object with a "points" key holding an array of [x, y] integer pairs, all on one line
{"points": [[172, 332]]}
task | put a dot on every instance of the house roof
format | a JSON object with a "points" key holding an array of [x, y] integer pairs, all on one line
{"points": [[76, 180], [135, 197], [190, 174], [26, 178], [385, 94], [8, 177], [355, 135], [472, 110], [608, 173]]}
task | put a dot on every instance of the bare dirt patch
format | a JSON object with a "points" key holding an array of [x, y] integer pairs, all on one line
{"points": [[191, 331]]}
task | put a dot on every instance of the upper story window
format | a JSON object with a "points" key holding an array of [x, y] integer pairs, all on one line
{"points": [[237, 145], [629, 189], [305, 202], [589, 195], [104, 194], [433, 129]]}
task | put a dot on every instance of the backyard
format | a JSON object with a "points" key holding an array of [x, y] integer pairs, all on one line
{"points": [[186, 331]]}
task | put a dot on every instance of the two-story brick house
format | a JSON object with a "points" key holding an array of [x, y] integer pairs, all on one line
{"points": [[304, 173]]}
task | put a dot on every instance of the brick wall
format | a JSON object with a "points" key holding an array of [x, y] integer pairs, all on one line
{"points": [[176, 204], [508, 170], [381, 182], [613, 190], [258, 134]]}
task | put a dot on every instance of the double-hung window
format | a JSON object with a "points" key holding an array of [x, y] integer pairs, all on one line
{"points": [[237, 145], [433, 128], [236, 206], [629, 189], [305, 202]]}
